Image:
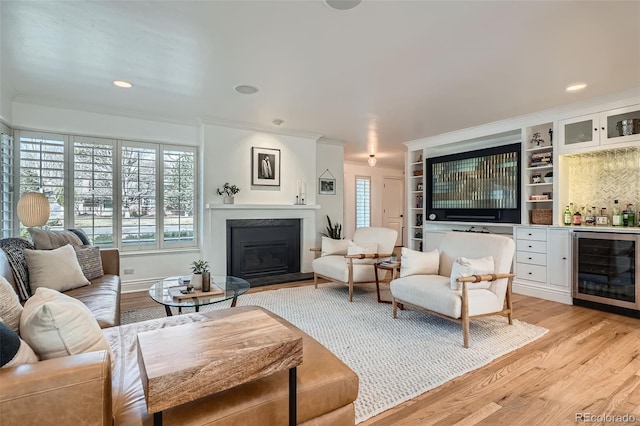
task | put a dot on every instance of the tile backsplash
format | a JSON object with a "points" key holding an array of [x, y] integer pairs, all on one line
{"points": [[598, 178]]}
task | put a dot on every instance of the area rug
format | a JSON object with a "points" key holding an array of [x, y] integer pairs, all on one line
{"points": [[396, 360]]}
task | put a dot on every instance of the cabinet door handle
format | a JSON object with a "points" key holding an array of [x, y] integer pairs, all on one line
{"points": [[529, 258], [595, 130], [529, 273], [529, 246], [603, 128], [529, 234], [564, 258]]}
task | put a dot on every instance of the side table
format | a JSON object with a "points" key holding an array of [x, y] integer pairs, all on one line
{"points": [[186, 362], [394, 267]]}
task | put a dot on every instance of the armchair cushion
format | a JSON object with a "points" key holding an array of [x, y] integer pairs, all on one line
{"points": [[463, 267], [331, 246], [369, 248], [334, 267], [57, 325], [433, 292], [419, 263]]}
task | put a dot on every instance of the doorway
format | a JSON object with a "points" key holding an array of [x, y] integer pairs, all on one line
{"points": [[393, 206]]}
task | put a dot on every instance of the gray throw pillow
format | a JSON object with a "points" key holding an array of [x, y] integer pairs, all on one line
{"points": [[49, 240], [90, 261]]}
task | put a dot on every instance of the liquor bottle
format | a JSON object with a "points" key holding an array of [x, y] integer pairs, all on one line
{"points": [[632, 215], [577, 218], [603, 218], [625, 216], [567, 216], [590, 217], [616, 219]]}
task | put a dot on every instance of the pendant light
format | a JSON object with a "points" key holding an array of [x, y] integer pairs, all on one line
{"points": [[372, 160]]}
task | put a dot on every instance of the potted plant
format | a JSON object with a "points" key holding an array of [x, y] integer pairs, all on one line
{"points": [[333, 231], [394, 257], [548, 178], [228, 191], [201, 277]]}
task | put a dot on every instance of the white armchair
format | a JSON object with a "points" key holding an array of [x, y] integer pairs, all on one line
{"points": [[434, 294], [351, 262]]}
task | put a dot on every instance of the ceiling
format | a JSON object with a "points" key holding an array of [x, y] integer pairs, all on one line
{"points": [[375, 76]]}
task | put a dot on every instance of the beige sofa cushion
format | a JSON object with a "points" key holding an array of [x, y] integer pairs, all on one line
{"points": [[57, 269], [334, 267], [10, 307], [419, 263], [464, 267], [331, 246]]}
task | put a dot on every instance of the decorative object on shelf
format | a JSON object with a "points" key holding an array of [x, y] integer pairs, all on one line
{"points": [[548, 177], [628, 127], [550, 137], [537, 139], [419, 186], [542, 216], [541, 159], [201, 277], [186, 282], [334, 231], [326, 184], [536, 178], [301, 192], [33, 209], [228, 191], [372, 160], [265, 166]]}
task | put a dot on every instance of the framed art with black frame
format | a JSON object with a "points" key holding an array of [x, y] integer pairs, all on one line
{"points": [[265, 166], [327, 186]]}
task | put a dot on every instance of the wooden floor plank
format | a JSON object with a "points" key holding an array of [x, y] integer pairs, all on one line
{"points": [[588, 362]]}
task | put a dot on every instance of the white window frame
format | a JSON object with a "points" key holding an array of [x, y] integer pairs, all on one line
{"points": [[367, 178], [7, 207]]}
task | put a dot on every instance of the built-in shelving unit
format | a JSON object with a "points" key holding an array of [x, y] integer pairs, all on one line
{"points": [[416, 199], [538, 174]]}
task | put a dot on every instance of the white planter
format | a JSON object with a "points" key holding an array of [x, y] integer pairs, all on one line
{"points": [[227, 200], [196, 281]]}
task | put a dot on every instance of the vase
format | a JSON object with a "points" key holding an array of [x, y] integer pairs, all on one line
{"points": [[227, 200], [206, 281], [196, 281]]}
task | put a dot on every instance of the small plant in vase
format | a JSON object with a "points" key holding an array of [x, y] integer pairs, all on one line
{"points": [[394, 257], [201, 277], [228, 191]]}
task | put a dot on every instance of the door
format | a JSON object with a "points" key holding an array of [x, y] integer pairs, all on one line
{"points": [[580, 132], [559, 258], [393, 206]]}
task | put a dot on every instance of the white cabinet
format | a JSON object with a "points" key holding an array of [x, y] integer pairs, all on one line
{"points": [[559, 258], [542, 263], [415, 185], [615, 126]]}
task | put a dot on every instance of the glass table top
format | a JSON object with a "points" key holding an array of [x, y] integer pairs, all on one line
{"points": [[232, 287]]}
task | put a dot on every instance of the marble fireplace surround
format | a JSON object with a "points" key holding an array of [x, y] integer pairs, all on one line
{"points": [[215, 239]]}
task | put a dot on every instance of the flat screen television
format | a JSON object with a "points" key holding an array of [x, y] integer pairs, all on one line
{"points": [[475, 186]]}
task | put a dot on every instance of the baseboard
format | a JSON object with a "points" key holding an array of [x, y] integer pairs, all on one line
{"points": [[133, 286], [542, 292]]}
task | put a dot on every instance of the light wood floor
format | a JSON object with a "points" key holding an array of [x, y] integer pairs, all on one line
{"points": [[588, 363]]}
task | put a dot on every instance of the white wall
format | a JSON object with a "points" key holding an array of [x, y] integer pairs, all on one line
{"points": [[331, 157], [5, 100], [377, 174]]}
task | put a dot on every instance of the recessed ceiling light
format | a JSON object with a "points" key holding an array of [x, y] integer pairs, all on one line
{"points": [[245, 89], [123, 84], [277, 121], [576, 86], [342, 4]]}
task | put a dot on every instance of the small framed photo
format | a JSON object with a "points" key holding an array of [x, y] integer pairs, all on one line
{"points": [[327, 186], [265, 166], [419, 186]]}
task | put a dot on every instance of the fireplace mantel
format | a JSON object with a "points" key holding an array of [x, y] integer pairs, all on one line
{"points": [[214, 243], [263, 206]]}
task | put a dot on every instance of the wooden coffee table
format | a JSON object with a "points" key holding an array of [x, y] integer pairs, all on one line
{"points": [[385, 266], [187, 362]]}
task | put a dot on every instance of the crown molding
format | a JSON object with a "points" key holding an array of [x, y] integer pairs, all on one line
{"points": [[211, 121], [331, 141], [99, 109]]}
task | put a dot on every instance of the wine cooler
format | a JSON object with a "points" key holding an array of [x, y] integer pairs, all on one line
{"points": [[605, 271]]}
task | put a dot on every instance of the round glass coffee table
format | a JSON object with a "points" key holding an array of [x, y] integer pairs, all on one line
{"points": [[227, 287]]}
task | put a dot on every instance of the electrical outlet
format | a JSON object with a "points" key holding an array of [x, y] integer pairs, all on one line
{"points": [[128, 271]]}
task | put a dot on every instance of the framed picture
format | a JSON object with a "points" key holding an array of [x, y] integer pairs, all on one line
{"points": [[327, 186], [265, 166]]}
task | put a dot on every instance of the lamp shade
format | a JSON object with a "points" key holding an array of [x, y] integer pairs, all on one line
{"points": [[33, 209]]}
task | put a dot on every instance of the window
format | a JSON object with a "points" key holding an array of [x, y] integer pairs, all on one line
{"points": [[93, 189], [131, 195], [6, 185], [363, 201], [42, 168]]}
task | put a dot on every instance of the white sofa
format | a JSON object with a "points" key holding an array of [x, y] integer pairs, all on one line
{"points": [[433, 293], [354, 268]]}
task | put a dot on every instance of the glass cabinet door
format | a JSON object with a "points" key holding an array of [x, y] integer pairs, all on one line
{"points": [[621, 125], [580, 132]]}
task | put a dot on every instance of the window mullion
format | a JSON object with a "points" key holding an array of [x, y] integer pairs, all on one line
{"points": [[117, 193], [160, 196]]}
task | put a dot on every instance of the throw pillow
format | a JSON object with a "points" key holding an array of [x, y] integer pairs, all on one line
{"points": [[90, 261], [331, 246], [14, 351], [14, 249], [354, 248], [10, 307], [48, 240], [414, 262], [82, 235], [57, 269], [57, 325], [463, 267]]}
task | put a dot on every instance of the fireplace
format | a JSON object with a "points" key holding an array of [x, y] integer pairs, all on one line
{"points": [[258, 248]]}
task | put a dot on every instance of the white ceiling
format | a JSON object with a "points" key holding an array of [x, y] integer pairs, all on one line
{"points": [[381, 74]]}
